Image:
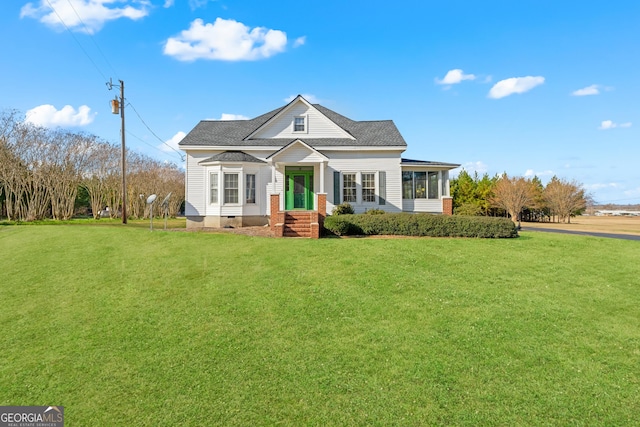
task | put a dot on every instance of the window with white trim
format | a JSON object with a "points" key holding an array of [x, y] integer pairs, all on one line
{"points": [[213, 188], [419, 185], [231, 185], [299, 124], [349, 188], [250, 188], [432, 185], [368, 187]]}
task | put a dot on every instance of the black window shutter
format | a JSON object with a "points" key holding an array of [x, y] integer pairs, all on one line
{"points": [[336, 188], [382, 191]]}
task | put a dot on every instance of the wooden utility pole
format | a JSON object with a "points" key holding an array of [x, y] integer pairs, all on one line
{"points": [[119, 105], [124, 174]]}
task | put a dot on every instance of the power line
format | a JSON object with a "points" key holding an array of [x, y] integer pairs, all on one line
{"points": [[153, 133], [104, 77], [151, 145], [92, 39], [76, 40]]}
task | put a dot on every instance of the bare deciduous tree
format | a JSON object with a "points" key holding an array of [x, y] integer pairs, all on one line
{"points": [[513, 195], [41, 170], [565, 198]]}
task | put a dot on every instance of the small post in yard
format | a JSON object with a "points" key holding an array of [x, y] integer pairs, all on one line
{"points": [[165, 209], [150, 200]]}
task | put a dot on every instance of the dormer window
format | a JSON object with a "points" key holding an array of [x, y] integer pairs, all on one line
{"points": [[299, 124]]}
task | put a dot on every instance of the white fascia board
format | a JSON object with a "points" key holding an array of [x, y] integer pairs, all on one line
{"points": [[359, 148], [279, 147], [231, 148], [435, 166]]}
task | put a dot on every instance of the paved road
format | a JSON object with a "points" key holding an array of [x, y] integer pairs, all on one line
{"points": [[586, 233]]}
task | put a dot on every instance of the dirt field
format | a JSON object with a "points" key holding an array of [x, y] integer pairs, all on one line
{"points": [[603, 224]]}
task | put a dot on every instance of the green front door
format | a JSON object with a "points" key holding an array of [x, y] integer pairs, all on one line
{"points": [[299, 190]]}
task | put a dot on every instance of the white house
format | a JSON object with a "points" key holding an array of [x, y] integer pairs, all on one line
{"points": [[303, 158]]}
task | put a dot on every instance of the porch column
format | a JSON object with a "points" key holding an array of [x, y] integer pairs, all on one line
{"points": [[322, 166], [273, 178]]}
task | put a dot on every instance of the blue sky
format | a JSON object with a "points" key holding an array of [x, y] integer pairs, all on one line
{"points": [[523, 87]]}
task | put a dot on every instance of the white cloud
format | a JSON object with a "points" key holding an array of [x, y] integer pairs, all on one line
{"points": [[454, 77], [513, 85], [195, 4], [608, 124], [168, 3], [86, 16], [300, 41], [312, 99], [531, 173], [48, 116], [225, 40], [227, 116], [172, 144], [589, 90], [600, 186]]}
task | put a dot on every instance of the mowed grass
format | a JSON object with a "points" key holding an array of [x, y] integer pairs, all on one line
{"points": [[126, 327]]}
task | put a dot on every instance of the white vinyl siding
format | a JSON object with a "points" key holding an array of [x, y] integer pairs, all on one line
{"points": [[316, 126], [196, 185], [362, 162], [299, 153]]}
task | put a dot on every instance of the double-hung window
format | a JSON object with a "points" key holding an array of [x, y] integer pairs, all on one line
{"points": [[250, 187], [213, 187], [349, 194], [231, 188], [368, 187], [299, 124]]}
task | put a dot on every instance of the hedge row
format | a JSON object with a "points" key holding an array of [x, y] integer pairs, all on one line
{"points": [[406, 224]]}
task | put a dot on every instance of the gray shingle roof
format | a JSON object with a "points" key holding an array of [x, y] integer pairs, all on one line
{"points": [[233, 133], [232, 156]]}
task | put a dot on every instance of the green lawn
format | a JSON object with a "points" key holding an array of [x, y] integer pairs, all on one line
{"points": [[126, 327]]}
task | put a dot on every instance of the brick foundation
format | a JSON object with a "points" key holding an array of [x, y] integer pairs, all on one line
{"points": [[275, 208], [447, 206]]}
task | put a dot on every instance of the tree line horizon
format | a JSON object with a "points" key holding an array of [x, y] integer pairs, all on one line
{"points": [[58, 174], [521, 198]]}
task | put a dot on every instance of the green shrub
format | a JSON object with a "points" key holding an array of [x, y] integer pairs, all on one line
{"points": [[375, 211], [406, 224], [469, 209], [343, 209]]}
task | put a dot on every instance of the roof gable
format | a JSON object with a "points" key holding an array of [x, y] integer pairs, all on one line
{"points": [[239, 134], [297, 151], [316, 124]]}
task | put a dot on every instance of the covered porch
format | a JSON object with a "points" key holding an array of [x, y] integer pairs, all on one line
{"points": [[298, 200]]}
